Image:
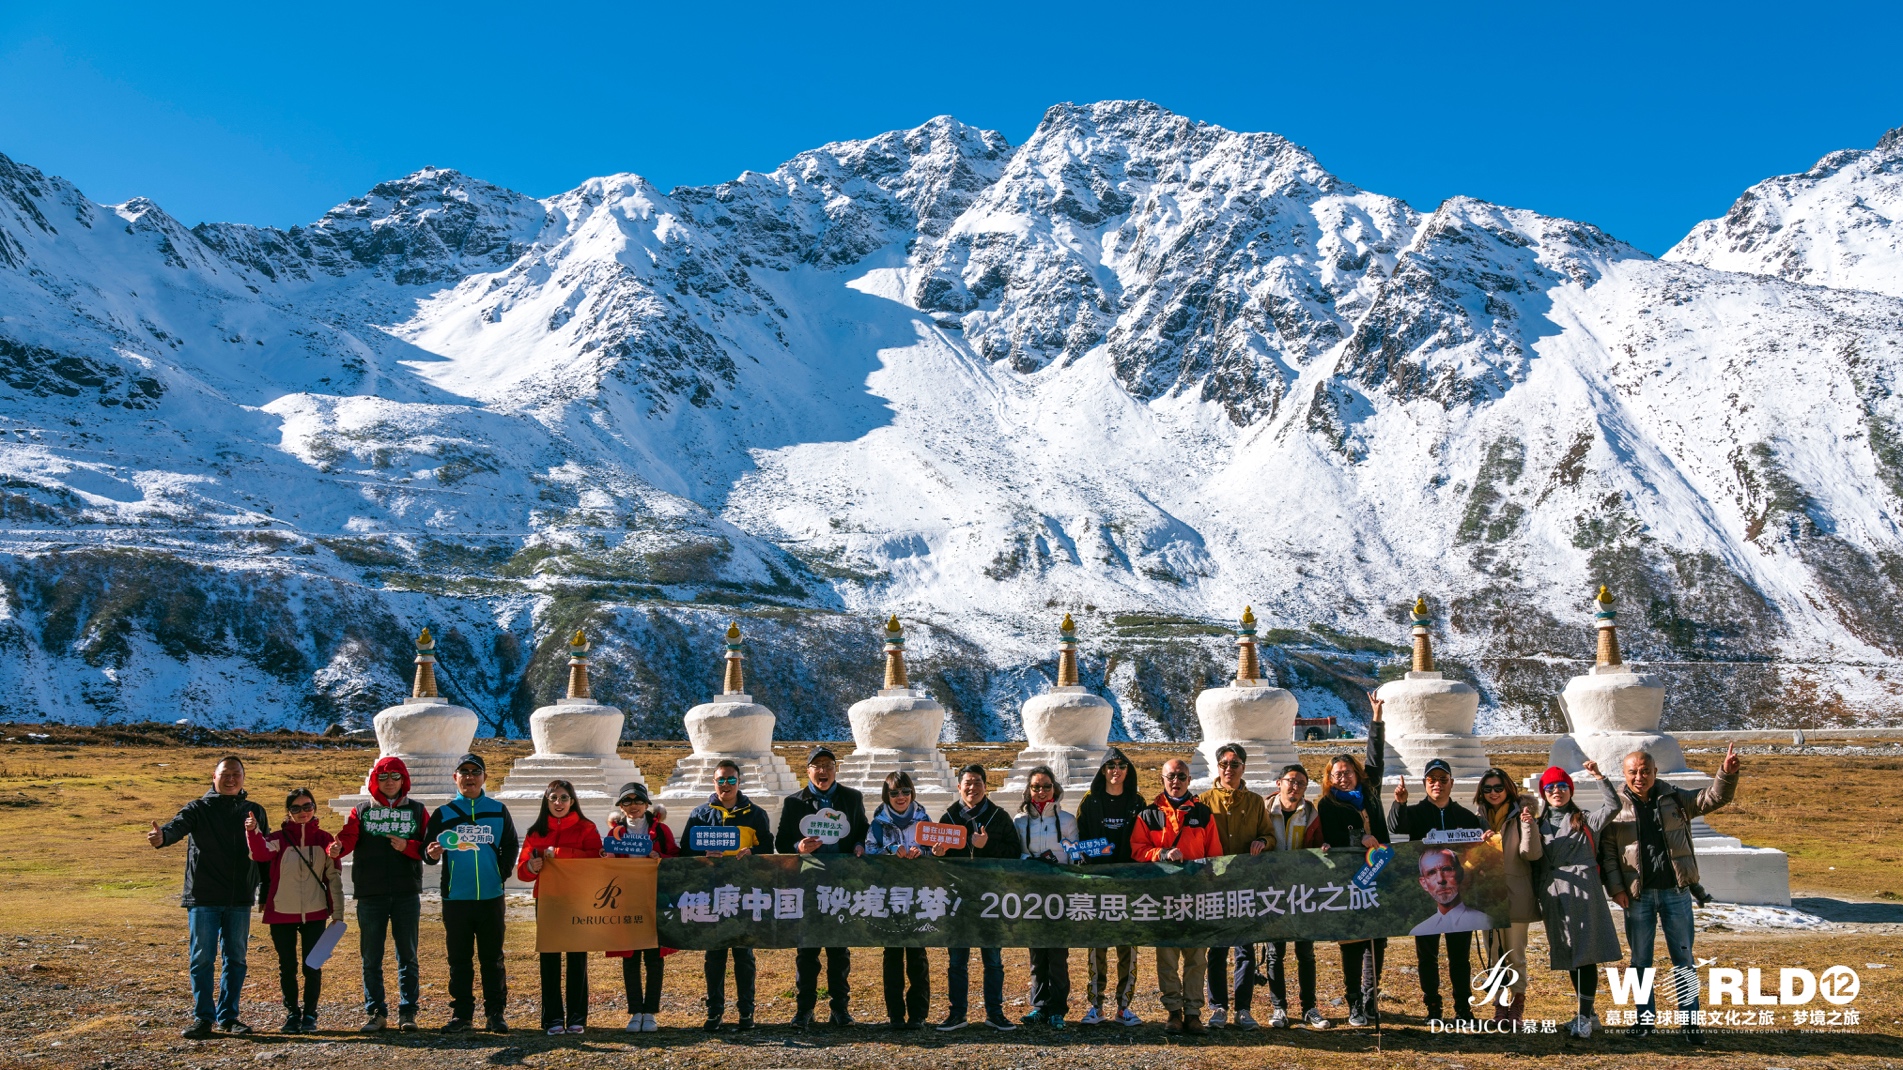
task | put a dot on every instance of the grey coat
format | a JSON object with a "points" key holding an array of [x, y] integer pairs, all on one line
{"points": [[1579, 927]]}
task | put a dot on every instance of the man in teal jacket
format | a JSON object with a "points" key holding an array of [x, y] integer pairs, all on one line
{"points": [[474, 839]]}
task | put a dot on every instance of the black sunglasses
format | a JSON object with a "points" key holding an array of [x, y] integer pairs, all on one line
{"points": [[1491, 788], [303, 808]]}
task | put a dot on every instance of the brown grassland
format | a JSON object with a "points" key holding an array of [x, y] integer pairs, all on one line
{"points": [[92, 942]]}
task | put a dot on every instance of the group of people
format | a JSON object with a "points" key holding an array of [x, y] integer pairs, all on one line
{"points": [[1564, 865]]}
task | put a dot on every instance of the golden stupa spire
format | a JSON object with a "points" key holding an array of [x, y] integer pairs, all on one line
{"points": [[578, 685], [736, 681], [1423, 645], [1608, 653], [1248, 669], [1067, 653], [894, 655], [425, 685]]}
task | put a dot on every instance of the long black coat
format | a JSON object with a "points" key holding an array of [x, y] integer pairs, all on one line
{"points": [[219, 871]]}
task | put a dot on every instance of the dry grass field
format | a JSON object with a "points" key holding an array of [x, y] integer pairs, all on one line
{"points": [[92, 942]]}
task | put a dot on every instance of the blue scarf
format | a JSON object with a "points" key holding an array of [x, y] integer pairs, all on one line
{"points": [[1350, 798]]}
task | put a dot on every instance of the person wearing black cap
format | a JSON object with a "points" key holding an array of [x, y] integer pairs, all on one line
{"points": [[822, 792], [475, 863], [1438, 811], [729, 807], [632, 817]]}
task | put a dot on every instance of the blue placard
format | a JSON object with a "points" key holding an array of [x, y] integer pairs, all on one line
{"points": [[1377, 861], [629, 846], [712, 838], [1082, 849]]}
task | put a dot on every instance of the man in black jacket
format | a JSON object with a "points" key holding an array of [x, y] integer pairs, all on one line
{"points": [[1438, 811], [822, 792], [386, 835], [989, 833], [728, 807], [221, 883]]}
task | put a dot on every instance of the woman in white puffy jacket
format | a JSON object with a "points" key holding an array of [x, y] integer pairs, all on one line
{"points": [[1043, 829]]}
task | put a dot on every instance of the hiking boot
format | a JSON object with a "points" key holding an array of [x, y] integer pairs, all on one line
{"points": [[711, 1025], [406, 1021], [802, 1020], [840, 1020], [745, 1023], [495, 1024], [198, 1030], [456, 1025], [376, 1023], [1175, 1023], [310, 1021], [1193, 1023], [293, 1023]]}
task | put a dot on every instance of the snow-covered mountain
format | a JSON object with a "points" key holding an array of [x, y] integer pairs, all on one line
{"points": [[1138, 368]]}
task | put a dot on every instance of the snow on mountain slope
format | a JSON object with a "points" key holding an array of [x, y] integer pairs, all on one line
{"points": [[1838, 224], [1140, 368]]}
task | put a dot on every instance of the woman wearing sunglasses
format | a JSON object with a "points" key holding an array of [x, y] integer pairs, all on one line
{"points": [[1572, 897], [1043, 828], [1348, 817], [894, 831], [1109, 812], [560, 831], [1509, 822], [300, 901]]}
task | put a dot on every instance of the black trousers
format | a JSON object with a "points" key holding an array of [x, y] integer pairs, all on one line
{"points": [[903, 964], [716, 972], [1277, 962], [285, 937], [1460, 972], [806, 979], [1241, 982], [554, 1010], [1586, 987], [1361, 963], [642, 1000], [1050, 980], [472, 931]]}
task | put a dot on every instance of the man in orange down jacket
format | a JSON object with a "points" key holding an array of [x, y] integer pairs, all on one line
{"points": [[1178, 828]]}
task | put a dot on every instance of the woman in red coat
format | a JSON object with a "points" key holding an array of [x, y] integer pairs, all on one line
{"points": [[632, 819], [560, 831], [301, 901]]}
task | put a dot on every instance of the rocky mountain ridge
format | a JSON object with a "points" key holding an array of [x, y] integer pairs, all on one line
{"points": [[1139, 368]]}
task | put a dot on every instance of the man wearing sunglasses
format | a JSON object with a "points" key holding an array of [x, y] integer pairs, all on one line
{"points": [[1178, 828], [1438, 811], [1242, 824], [822, 792], [729, 807], [386, 880]]}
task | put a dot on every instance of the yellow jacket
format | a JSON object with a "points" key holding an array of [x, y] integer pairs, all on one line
{"points": [[1241, 818]]}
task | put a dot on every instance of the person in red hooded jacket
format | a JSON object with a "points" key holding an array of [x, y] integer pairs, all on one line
{"points": [[386, 879], [560, 831], [1178, 828], [302, 899]]}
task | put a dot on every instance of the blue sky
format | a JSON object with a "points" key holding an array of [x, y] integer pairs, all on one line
{"points": [[1642, 118]]}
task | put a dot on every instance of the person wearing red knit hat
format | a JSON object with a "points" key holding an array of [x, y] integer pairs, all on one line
{"points": [[1579, 927]]}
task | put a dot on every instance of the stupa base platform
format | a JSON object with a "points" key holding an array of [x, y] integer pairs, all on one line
{"points": [[1075, 768], [766, 780], [1266, 758], [932, 776]]}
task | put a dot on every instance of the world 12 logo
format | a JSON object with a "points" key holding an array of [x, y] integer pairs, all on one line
{"points": [[1733, 995]]}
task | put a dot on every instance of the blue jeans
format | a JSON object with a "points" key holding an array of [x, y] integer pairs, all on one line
{"points": [[400, 915], [1671, 907], [1221, 984], [958, 981], [211, 927]]}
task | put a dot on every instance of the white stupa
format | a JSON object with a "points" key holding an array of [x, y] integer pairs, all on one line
{"points": [[1067, 728], [1614, 710], [426, 732], [731, 726], [897, 730], [1429, 716], [575, 740], [1251, 712]]}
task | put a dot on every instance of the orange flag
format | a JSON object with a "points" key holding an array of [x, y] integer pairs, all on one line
{"points": [[596, 904]]}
